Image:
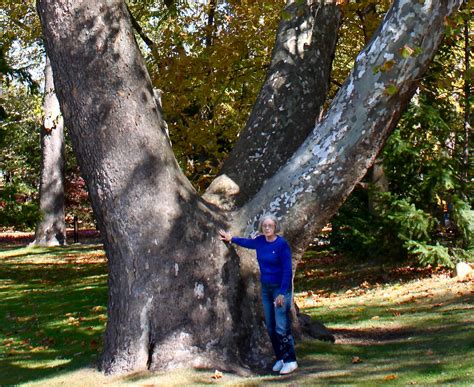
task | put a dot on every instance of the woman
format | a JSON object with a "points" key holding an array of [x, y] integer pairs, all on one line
{"points": [[274, 259]]}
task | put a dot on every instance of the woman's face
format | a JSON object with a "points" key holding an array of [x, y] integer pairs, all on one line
{"points": [[268, 228]]}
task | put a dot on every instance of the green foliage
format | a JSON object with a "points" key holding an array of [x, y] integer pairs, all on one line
{"points": [[383, 232], [426, 213], [20, 157], [430, 254], [463, 217], [17, 210]]}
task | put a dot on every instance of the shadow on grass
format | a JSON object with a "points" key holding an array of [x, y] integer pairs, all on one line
{"points": [[12, 252], [52, 315]]}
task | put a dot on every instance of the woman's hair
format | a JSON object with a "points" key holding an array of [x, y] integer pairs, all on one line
{"points": [[273, 218]]}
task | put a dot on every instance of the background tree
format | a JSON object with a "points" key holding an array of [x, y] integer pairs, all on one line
{"points": [[51, 228], [21, 75]]}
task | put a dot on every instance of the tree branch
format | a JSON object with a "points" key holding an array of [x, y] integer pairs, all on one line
{"points": [[137, 27], [308, 190], [288, 104]]}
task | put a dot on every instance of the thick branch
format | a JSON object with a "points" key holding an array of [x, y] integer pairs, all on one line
{"points": [[288, 104], [137, 27], [308, 190]]}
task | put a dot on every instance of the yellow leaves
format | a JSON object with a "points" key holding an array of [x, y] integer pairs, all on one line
{"points": [[388, 65]]}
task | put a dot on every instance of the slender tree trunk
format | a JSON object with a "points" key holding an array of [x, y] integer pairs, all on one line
{"points": [[177, 295], [376, 174], [51, 228], [467, 106], [210, 22]]}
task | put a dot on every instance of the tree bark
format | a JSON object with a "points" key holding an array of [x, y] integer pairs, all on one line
{"points": [[210, 22], [288, 104], [177, 295], [51, 228], [174, 288]]}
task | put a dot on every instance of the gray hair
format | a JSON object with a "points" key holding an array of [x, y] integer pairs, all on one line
{"points": [[273, 218]]}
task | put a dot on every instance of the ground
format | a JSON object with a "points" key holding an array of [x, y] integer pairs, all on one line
{"points": [[393, 323]]}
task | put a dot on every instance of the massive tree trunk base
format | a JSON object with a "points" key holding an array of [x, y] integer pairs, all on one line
{"points": [[179, 351], [49, 240], [50, 234]]}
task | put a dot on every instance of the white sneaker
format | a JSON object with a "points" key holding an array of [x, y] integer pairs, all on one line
{"points": [[289, 367], [278, 365]]}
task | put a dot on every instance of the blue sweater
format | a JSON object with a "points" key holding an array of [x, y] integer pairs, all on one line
{"points": [[274, 259]]}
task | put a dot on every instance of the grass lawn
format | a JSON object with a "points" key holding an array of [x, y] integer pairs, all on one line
{"points": [[393, 325]]}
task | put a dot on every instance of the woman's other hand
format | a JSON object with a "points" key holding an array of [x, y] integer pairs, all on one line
{"points": [[225, 236], [280, 300]]}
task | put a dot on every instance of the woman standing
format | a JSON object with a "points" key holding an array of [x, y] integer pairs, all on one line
{"points": [[274, 259]]}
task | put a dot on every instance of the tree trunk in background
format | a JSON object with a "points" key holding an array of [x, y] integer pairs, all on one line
{"points": [[177, 295], [376, 174], [51, 228], [467, 107], [210, 22]]}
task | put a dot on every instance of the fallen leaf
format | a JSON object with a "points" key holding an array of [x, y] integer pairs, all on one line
{"points": [[390, 377], [217, 375]]}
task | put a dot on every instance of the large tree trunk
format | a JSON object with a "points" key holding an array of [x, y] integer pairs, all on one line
{"points": [[174, 288], [51, 228], [177, 295]]}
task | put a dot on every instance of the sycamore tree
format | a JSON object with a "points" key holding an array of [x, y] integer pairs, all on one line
{"points": [[177, 294]]}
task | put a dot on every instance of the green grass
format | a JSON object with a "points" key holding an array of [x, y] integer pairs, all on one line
{"points": [[52, 303], [394, 325]]}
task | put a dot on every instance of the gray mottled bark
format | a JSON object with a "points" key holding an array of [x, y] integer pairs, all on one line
{"points": [[177, 295], [288, 104], [307, 191], [51, 228]]}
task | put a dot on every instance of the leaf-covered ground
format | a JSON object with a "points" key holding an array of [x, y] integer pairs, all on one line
{"points": [[399, 325]]}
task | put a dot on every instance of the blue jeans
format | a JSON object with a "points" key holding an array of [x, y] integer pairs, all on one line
{"points": [[278, 322]]}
